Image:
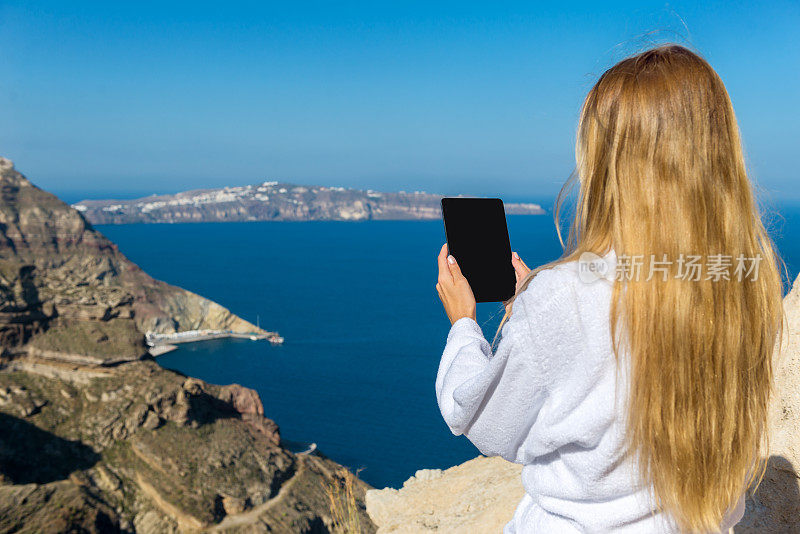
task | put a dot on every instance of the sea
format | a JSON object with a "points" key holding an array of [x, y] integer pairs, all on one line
{"points": [[364, 329]]}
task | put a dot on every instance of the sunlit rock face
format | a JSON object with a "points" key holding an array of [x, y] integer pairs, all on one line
{"points": [[477, 496]]}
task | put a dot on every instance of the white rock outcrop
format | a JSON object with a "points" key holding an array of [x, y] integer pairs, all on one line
{"points": [[480, 495], [776, 505], [477, 496]]}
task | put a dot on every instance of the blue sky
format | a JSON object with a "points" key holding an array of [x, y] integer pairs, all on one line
{"points": [[476, 98]]}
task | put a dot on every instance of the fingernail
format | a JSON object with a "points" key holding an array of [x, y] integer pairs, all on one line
{"points": [[516, 256], [451, 259]]}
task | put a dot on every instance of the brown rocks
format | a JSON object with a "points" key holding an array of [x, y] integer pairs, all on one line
{"points": [[96, 436], [151, 421], [53, 508], [158, 451], [244, 400], [233, 505], [20, 400]]}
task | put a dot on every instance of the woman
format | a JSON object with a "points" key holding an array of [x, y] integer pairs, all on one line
{"points": [[637, 401]]}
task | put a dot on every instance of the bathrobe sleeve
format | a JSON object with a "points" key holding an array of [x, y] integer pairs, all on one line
{"points": [[494, 400]]}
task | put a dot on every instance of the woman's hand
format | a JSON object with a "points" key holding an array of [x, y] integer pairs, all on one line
{"points": [[520, 269], [520, 272], [453, 288]]}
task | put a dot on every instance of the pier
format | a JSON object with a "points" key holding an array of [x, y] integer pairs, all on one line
{"points": [[159, 344]]}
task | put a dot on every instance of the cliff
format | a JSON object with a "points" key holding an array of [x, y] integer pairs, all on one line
{"points": [[58, 274], [97, 437], [483, 493], [273, 201]]}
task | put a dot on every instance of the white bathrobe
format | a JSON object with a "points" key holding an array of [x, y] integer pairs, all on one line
{"points": [[552, 398]]}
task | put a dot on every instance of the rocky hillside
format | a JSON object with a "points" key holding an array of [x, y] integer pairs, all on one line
{"points": [[272, 201], [483, 493], [97, 437], [58, 274]]}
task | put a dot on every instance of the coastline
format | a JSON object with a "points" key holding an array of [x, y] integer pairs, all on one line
{"points": [[159, 344]]}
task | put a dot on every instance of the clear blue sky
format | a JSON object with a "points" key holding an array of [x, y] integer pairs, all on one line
{"points": [[474, 98]]}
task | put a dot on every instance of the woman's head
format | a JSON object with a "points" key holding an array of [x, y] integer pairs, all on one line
{"points": [[659, 157], [662, 178]]}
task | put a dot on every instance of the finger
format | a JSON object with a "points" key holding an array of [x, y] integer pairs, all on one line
{"points": [[515, 256], [443, 299], [444, 270], [455, 270], [520, 269]]}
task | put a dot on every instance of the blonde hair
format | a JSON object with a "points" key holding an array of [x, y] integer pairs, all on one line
{"points": [[661, 171]]}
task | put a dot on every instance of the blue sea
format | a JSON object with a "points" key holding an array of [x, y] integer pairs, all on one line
{"points": [[363, 325]]}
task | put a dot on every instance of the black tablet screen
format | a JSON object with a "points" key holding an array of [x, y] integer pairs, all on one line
{"points": [[477, 236]]}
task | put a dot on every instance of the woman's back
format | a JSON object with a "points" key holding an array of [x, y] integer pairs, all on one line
{"points": [[553, 399], [575, 474]]}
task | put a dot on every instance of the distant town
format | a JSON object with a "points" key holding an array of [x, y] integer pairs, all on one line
{"points": [[274, 201]]}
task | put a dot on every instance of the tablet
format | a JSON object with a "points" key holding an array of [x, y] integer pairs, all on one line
{"points": [[477, 236]]}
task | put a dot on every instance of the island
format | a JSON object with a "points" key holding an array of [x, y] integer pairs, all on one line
{"points": [[274, 201]]}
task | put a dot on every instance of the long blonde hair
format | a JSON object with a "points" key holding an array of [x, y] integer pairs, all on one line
{"points": [[662, 172]]}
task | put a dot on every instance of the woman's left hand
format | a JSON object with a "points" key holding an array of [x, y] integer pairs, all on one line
{"points": [[453, 288], [521, 272]]}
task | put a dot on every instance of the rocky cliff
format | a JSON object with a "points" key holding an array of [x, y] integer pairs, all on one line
{"points": [[273, 201], [97, 437], [483, 493], [58, 274]]}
